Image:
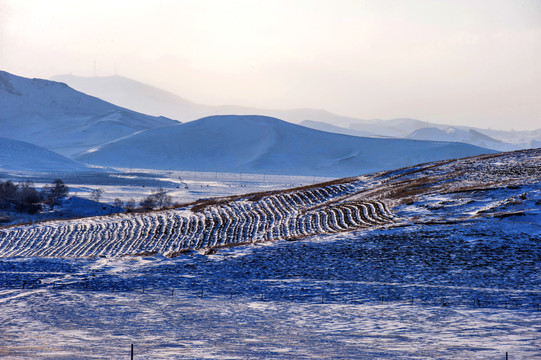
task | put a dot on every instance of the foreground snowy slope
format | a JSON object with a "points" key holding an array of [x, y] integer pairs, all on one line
{"points": [[442, 192], [22, 156], [54, 116], [259, 144]]}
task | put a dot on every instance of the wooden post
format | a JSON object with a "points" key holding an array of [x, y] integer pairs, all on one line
{"points": [[131, 352]]}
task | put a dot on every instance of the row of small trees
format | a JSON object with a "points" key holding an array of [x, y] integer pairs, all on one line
{"points": [[24, 197], [156, 200]]}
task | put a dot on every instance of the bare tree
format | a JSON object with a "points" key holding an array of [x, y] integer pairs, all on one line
{"points": [[96, 194], [53, 193], [130, 204], [161, 197], [148, 203], [27, 198], [8, 191], [158, 198], [118, 202]]}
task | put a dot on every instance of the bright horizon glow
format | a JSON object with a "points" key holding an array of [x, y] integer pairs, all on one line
{"points": [[463, 62]]}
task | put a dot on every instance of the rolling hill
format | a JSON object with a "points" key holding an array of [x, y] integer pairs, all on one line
{"points": [[54, 116], [151, 100], [259, 144]]}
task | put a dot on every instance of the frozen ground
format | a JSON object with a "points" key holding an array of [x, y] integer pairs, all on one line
{"points": [[354, 295], [455, 274]]}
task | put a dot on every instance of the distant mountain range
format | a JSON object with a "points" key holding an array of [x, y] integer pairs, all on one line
{"points": [[84, 128], [260, 144], [151, 100]]}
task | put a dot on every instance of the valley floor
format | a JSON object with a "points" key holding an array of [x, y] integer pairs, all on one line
{"points": [[447, 268]]}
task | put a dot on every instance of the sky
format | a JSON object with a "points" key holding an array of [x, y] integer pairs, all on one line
{"points": [[458, 62]]}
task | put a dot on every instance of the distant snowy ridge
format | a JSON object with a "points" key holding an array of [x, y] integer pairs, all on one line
{"points": [[469, 136], [54, 116], [259, 144], [21, 156], [151, 100]]}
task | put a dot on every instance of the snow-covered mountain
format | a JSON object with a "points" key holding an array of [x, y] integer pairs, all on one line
{"points": [[151, 100], [259, 144], [61, 119], [469, 136], [21, 156], [137, 96], [323, 126], [398, 128]]}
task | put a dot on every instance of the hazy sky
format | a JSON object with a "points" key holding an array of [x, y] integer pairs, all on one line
{"points": [[459, 62]]}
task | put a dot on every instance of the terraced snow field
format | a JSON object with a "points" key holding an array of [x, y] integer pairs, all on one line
{"points": [[272, 217]]}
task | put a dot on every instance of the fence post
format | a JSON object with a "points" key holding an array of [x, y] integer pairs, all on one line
{"points": [[131, 352]]}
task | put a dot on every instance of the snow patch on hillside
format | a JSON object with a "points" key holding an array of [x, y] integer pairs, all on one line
{"points": [[22, 156]]}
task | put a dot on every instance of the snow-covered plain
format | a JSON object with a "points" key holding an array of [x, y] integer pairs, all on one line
{"points": [[354, 295], [452, 273]]}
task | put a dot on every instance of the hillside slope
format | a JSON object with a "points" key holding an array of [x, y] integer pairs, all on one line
{"points": [[54, 116], [258, 144], [447, 192], [21, 156]]}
